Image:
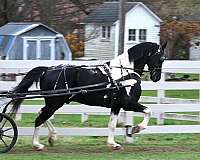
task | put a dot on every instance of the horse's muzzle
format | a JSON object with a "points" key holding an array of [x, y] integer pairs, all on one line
{"points": [[155, 75]]}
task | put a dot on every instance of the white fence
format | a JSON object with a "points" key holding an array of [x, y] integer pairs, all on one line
{"points": [[80, 109], [20, 66], [158, 109]]}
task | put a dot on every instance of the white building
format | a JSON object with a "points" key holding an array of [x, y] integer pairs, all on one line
{"points": [[102, 29]]}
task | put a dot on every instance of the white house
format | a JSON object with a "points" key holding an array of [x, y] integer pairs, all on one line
{"points": [[102, 29]]}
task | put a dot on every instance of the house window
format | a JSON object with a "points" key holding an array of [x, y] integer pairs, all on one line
{"points": [[38, 48], [131, 34], [106, 32], [142, 35]]}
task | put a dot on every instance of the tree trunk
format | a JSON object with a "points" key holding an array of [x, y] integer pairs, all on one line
{"points": [[5, 12], [121, 26]]}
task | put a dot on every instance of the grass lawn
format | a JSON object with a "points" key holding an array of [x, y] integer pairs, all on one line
{"points": [[145, 147], [185, 94]]}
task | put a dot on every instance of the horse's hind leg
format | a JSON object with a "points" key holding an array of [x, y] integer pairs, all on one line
{"points": [[52, 132], [111, 130], [45, 113], [35, 141]]}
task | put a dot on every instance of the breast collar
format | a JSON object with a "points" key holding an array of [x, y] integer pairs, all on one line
{"points": [[123, 76]]}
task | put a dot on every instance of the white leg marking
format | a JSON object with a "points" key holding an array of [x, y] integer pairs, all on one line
{"points": [[147, 115], [52, 132], [111, 126], [35, 140]]}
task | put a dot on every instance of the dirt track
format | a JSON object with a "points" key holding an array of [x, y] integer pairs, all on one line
{"points": [[105, 149]]}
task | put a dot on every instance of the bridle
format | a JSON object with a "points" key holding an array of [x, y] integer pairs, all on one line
{"points": [[162, 58]]}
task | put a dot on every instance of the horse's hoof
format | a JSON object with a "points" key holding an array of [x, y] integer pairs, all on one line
{"points": [[39, 149], [51, 141], [115, 147], [136, 129]]}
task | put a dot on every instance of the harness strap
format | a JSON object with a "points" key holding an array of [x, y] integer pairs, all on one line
{"points": [[57, 80], [111, 97], [63, 69], [66, 84], [108, 73]]}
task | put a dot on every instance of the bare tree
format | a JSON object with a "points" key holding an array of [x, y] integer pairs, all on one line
{"points": [[63, 15], [8, 10]]}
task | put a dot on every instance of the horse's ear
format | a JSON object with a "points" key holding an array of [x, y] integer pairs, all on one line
{"points": [[164, 45], [135, 53]]}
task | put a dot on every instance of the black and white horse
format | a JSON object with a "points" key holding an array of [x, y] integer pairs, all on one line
{"points": [[125, 69]]}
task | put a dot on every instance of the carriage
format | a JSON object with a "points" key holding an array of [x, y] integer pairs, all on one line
{"points": [[115, 85]]}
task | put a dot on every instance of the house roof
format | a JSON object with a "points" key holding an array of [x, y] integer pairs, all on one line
{"points": [[20, 28], [108, 12]]}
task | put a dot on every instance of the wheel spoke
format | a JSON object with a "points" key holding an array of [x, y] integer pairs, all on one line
{"points": [[7, 129], [8, 136], [3, 141], [3, 124]]}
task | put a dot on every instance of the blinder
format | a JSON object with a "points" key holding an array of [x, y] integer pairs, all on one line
{"points": [[159, 51], [161, 60]]}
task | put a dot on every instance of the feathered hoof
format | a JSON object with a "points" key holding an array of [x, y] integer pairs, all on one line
{"points": [[115, 147], [137, 129], [38, 149], [51, 141]]}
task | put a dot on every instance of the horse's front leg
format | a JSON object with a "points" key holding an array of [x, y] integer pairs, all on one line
{"points": [[147, 115], [111, 130]]}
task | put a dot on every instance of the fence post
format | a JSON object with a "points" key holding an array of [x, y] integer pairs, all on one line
{"points": [[160, 97], [161, 92], [84, 117], [160, 119], [129, 124], [121, 118], [18, 116]]}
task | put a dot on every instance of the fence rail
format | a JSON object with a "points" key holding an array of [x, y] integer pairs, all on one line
{"points": [[27, 131], [94, 110]]}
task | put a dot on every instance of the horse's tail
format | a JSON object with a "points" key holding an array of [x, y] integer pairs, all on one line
{"points": [[32, 76]]}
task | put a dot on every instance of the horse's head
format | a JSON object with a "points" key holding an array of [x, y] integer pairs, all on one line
{"points": [[155, 60], [148, 53]]}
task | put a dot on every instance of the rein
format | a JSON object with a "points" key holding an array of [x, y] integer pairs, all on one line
{"points": [[121, 67], [81, 66], [70, 66]]}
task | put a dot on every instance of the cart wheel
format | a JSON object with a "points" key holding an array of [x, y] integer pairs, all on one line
{"points": [[8, 133]]}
